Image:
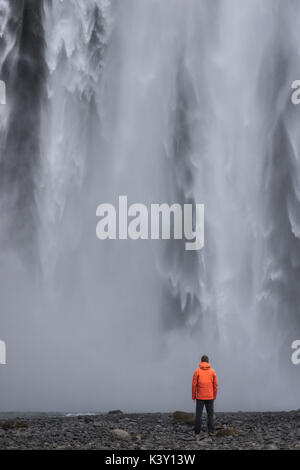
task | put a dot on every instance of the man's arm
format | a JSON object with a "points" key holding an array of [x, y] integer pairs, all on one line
{"points": [[215, 385], [194, 385]]}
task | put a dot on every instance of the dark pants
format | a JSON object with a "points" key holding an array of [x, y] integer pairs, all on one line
{"points": [[209, 406]]}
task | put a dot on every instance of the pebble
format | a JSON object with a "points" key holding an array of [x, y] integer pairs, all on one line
{"points": [[121, 431]]}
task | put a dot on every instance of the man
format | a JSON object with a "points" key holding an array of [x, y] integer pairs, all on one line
{"points": [[204, 391]]}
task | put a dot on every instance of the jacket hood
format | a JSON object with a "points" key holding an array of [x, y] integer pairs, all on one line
{"points": [[204, 365]]}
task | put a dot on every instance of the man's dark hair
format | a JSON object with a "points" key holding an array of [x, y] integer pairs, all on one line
{"points": [[204, 359]]}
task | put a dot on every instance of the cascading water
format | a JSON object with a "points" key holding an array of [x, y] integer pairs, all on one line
{"points": [[174, 101]]}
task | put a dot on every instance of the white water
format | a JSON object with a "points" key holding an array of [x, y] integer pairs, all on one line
{"points": [[170, 101]]}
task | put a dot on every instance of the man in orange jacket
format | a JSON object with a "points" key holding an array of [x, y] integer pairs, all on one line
{"points": [[204, 391]]}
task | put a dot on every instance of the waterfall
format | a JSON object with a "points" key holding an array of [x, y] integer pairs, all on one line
{"points": [[180, 101]]}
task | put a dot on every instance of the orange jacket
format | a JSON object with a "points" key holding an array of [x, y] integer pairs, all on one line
{"points": [[205, 383]]}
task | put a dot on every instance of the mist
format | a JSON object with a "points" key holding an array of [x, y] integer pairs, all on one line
{"points": [[175, 101]]}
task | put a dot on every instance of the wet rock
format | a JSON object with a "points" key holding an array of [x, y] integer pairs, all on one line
{"points": [[183, 417], [13, 424], [120, 434], [88, 419], [115, 412], [151, 431], [205, 441], [98, 424], [271, 447], [226, 432]]}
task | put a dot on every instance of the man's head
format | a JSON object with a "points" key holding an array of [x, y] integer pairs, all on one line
{"points": [[204, 359]]}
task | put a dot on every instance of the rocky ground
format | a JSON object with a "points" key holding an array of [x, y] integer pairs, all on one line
{"points": [[156, 431]]}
